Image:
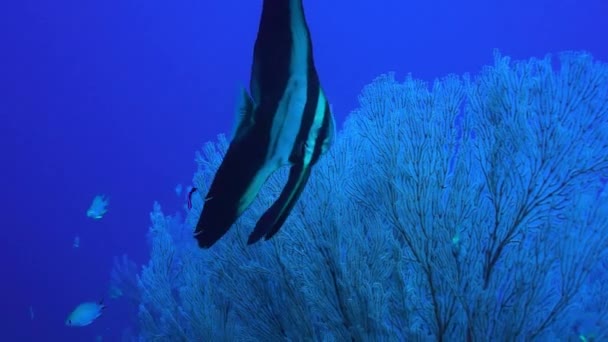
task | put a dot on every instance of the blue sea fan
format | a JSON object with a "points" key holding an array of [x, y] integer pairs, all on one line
{"points": [[508, 163]]}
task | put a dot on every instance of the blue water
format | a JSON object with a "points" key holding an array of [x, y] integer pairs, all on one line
{"points": [[115, 97]]}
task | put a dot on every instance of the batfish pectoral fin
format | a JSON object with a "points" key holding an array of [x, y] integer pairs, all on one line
{"points": [[272, 220]]}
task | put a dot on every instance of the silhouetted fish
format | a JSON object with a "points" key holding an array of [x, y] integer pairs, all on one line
{"points": [[286, 121]]}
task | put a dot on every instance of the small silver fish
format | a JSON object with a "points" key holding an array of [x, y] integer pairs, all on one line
{"points": [[84, 314], [98, 207]]}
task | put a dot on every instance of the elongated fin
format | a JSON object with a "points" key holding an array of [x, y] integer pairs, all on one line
{"points": [[235, 185], [272, 220]]}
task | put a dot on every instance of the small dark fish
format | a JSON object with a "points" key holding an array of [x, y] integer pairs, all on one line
{"points": [[193, 190]]}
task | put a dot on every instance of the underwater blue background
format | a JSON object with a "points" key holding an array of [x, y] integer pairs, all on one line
{"points": [[114, 98]]}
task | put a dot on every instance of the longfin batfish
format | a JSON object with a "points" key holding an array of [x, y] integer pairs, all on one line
{"points": [[286, 120]]}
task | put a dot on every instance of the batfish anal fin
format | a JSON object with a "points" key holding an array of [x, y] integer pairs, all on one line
{"points": [[272, 220]]}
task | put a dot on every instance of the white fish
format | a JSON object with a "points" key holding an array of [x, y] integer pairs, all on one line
{"points": [[98, 207], [85, 314]]}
